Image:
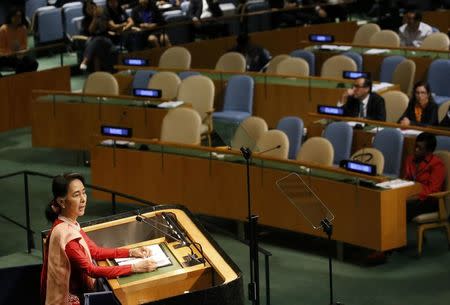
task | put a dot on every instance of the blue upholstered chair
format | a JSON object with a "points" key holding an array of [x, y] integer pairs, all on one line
{"points": [[309, 57], [238, 101], [186, 74], [356, 57], [443, 143], [31, 6], [48, 25], [141, 78], [69, 11], [340, 134], [388, 67], [293, 127], [438, 73], [390, 142], [259, 22]]}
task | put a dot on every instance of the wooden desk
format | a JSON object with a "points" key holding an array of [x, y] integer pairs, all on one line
{"points": [[15, 98], [366, 217], [178, 282], [67, 120], [439, 19]]}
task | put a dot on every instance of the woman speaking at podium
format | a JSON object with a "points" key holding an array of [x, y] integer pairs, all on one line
{"points": [[68, 270]]}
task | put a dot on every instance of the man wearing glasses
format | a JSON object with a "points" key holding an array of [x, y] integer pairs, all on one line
{"points": [[361, 102]]}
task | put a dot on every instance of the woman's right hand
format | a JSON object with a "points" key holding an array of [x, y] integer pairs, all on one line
{"points": [[146, 265], [405, 122]]}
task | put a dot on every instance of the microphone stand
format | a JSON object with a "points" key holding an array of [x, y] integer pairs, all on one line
{"points": [[253, 286]]}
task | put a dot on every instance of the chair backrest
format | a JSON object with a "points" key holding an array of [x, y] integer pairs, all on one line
{"points": [[385, 38], [438, 77], [239, 94], [186, 74], [404, 75], [388, 66], [390, 142], [270, 139], [335, 65], [175, 58], [77, 24], [293, 66], [49, 25], [443, 110], [436, 41], [273, 63], [71, 10], [396, 103], [167, 82], [317, 150], [444, 155], [340, 134], [181, 125], [197, 90], [101, 83], [309, 57], [231, 62], [443, 143], [141, 78], [365, 32], [292, 126], [248, 132], [32, 5], [357, 58], [371, 156]]}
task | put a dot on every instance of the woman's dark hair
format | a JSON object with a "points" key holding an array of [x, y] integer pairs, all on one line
{"points": [[427, 87], [85, 6], [12, 12], [60, 187]]}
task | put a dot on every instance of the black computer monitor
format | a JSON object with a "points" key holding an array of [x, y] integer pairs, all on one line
{"points": [[144, 92], [355, 74], [330, 110], [116, 131], [322, 38], [135, 62]]}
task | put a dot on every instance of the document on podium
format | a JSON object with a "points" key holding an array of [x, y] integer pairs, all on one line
{"points": [[158, 256]]}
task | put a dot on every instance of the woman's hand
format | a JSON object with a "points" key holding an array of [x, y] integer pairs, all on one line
{"points": [[147, 265], [405, 122], [140, 252]]}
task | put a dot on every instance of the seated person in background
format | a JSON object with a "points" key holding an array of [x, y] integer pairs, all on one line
{"points": [[13, 43], [98, 46], [414, 31], [361, 102], [319, 12], [446, 120], [421, 110], [205, 9], [255, 56], [146, 16], [428, 170], [118, 21], [286, 18]]}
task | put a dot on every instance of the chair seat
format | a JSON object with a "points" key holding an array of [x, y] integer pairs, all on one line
{"points": [[440, 99], [234, 116], [427, 217]]}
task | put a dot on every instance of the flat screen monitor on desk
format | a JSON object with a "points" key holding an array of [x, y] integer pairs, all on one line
{"points": [[142, 92], [330, 110], [321, 38], [359, 167], [135, 62], [116, 131], [355, 74]]}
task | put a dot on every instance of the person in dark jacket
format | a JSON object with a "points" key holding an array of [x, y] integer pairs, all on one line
{"points": [[421, 110], [361, 102], [147, 17]]}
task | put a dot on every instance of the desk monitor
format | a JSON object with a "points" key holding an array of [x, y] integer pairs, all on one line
{"points": [[359, 167], [135, 62], [321, 38], [355, 74], [331, 110], [143, 92], [116, 131]]}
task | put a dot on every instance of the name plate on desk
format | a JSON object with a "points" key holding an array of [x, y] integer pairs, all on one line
{"points": [[359, 167], [116, 131], [330, 110], [321, 38]]}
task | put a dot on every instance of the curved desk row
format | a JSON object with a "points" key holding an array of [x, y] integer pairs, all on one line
{"points": [[212, 182]]}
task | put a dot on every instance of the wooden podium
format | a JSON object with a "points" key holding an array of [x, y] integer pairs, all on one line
{"points": [[211, 279]]}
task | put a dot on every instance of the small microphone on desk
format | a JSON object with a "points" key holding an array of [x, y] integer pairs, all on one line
{"points": [[270, 149]]}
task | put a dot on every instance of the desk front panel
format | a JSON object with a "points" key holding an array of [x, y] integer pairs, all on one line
{"points": [[364, 216]]}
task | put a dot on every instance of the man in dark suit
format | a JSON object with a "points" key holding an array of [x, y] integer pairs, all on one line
{"points": [[360, 101], [206, 9]]}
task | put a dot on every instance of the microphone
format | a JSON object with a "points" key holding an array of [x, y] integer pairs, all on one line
{"points": [[269, 149], [143, 219]]}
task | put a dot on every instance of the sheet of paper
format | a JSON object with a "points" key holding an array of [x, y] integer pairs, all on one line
{"points": [[158, 256], [376, 51], [396, 183], [170, 104]]}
